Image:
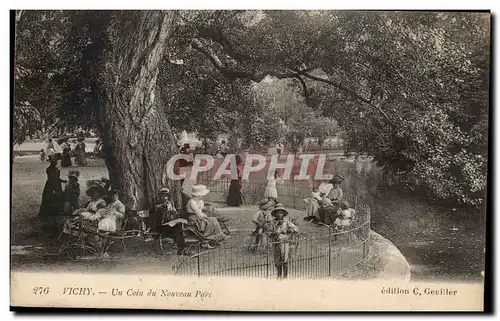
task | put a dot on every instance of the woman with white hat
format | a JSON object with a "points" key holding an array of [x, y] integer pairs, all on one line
{"points": [[208, 227], [281, 231]]}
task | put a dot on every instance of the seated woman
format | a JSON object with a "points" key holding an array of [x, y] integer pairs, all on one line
{"points": [[207, 227], [332, 195], [312, 205], [95, 192], [110, 215], [345, 215]]}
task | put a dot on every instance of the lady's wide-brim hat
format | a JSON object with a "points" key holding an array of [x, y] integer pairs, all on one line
{"points": [[96, 189], [337, 179], [266, 204], [279, 207], [199, 190]]}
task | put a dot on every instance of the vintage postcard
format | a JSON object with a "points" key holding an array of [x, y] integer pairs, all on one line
{"points": [[250, 160]]}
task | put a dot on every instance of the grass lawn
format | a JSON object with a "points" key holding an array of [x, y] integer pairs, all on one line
{"points": [[31, 251]]}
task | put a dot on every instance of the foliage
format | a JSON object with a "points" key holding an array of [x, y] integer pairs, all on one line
{"points": [[39, 37], [409, 89]]}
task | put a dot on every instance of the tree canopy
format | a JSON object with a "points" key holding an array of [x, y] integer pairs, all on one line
{"points": [[408, 88]]}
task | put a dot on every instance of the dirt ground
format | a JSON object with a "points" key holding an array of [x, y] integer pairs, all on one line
{"points": [[31, 251]]}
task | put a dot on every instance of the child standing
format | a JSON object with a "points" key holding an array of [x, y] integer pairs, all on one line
{"points": [[271, 191], [281, 232], [262, 220], [42, 155], [312, 209], [71, 192]]}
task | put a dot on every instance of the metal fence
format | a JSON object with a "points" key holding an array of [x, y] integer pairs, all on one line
{"points": [[310, 257]]}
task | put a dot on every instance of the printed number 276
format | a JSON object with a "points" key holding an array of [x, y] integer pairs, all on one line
{"points": [[41, 290]]}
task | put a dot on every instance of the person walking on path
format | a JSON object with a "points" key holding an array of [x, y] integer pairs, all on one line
{"points": [[234, 196]]}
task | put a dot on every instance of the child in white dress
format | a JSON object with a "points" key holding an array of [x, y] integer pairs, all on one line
{"points": [[345, 215], [271, 191], [110, 215]]}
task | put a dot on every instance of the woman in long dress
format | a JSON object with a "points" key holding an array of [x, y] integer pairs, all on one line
{"points": [[234, 196], [66, 154], [52, 198], [79, 151], [207, 227]]}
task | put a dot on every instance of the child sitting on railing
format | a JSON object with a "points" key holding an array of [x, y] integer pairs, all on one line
{"points": [[262, 220]]}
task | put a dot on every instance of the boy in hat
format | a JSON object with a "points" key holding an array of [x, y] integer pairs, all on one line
{"points": [[71, 192], [281, 231], [163, 220], [262, 219]]}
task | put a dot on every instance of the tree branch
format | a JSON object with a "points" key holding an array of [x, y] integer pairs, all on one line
{"points": [[237, 74], [304, 86], [348, 91]]}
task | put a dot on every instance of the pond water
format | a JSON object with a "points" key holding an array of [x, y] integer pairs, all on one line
{"points": [[440, 243]]}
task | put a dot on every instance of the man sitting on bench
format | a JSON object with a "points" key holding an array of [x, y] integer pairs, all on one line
{"points": [[165, 221]]}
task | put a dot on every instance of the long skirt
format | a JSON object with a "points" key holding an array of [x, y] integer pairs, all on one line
{"points": [[66, 158], [208, 227], [51, 208], [271, 192], [312, 208], [81, 159], [328, 214], [234, 197]]}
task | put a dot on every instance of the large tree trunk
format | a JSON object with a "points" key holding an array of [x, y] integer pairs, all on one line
{"points": [[138, 140]]}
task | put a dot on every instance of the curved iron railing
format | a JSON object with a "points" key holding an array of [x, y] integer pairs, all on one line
{"points": [[310, 256]]}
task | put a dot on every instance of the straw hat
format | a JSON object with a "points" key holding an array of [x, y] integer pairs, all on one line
{"points": [[164, 190], [279, 207], [199, 190], [74, 173], [337, 179], [266, 204]]}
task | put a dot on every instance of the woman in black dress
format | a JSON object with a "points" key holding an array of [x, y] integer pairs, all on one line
{"points": [[52, 198], [66, 154], [234, 196]]}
